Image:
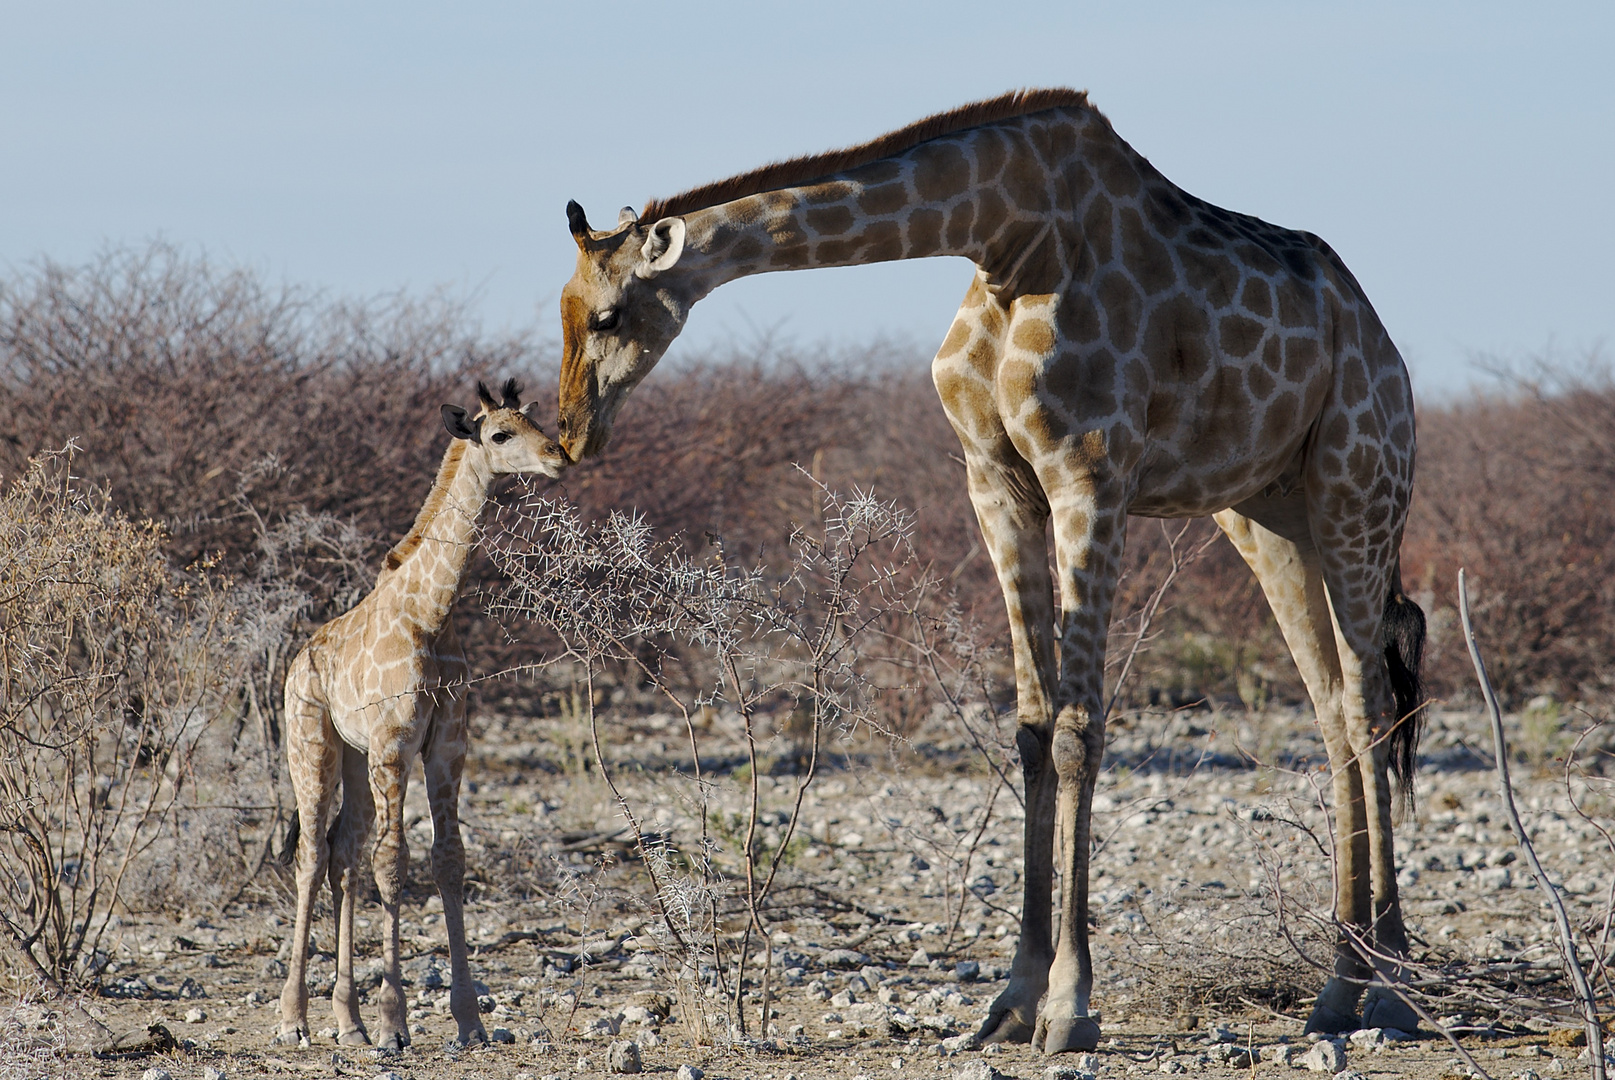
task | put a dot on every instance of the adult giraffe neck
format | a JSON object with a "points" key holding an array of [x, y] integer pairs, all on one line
{"points": [[990, 194]]}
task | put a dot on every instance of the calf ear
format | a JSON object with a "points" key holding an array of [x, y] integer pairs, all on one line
{"points": [[455, 419], [662, 247]]}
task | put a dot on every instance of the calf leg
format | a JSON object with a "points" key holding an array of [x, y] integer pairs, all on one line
{"points": [[313, 753], [352, 825], [443, 761]]}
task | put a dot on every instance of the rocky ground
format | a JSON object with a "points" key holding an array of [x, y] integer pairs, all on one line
{"points": [[893, 922]]}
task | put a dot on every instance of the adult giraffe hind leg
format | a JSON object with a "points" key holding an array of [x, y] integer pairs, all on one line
{"points": [[1359, 531], [1274, 539]]}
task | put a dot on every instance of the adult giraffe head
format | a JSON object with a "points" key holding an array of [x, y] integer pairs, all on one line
{"points": [[619, 313]]}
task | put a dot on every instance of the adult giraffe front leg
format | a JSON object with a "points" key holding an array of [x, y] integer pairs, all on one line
{"points": [[1090, 527], [1013, 519], [1013, 515]]}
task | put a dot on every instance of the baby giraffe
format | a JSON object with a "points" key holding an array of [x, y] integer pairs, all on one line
{"points": [[372, 689]]}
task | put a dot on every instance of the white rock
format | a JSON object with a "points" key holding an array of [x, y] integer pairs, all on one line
{"points": [[1325, 1056], [690, 1072], [623, 1057], [1067, 1072], [194, 1016], [869, 1018], [977, 1070], [210, 1073], [1283, 1054], [156, 1074]]}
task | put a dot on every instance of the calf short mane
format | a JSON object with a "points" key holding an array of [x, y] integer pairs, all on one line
{"points": [[430, 508], [783, 174]]}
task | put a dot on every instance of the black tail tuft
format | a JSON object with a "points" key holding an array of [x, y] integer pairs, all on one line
{"points": [[1404, 653], [294, 830]]}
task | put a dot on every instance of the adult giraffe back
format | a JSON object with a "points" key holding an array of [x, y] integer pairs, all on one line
{"points": [[1124, 348]]}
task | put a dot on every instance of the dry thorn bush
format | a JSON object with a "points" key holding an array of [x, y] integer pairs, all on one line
{"points": [[796, 654]]}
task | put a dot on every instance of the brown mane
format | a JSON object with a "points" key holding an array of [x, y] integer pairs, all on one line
{"points": [[429, 509], [801, 170]]}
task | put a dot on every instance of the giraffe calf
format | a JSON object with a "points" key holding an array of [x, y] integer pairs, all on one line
{"points": [[372, 689]]}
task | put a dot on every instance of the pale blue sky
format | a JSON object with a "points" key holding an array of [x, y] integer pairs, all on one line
{"points": [[1460, 156]]}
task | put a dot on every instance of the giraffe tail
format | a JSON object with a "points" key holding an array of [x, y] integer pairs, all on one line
{"points": [[294, 831], [1403, 630]]}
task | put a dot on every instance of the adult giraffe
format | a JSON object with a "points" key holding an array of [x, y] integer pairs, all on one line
{"points": [[1124, 348]]}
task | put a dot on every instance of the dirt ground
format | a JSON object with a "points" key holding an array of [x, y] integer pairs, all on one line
{"points": [[894, 923]]}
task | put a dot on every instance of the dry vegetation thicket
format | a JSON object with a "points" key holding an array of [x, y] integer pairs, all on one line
{"points": [[802, 658], [217, 406], [115, 668]]}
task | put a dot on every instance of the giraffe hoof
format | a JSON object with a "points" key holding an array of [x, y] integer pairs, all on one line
{"points": [[473, 1036], [290, 1037], [1003, 1027], [356, 1037], [1326, 1021], [1383, 1009], [1069, 1034], [393, 1040]]}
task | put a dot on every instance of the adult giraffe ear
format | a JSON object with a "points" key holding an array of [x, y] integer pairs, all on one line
{"points": [[578, 223], [662, 247], [626, 216], [460, 424]]}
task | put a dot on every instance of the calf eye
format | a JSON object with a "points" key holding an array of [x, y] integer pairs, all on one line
{"points": [[604, 320], [501, 436]]}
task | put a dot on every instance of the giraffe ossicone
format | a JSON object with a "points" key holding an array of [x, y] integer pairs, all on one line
{"points": [[372, 689], [1124, 348]]}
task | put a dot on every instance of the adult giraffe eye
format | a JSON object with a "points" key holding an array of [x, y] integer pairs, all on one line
{"points": [[501, 436], [604, 320]]}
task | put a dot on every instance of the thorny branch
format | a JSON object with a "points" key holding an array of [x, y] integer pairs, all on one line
{"points": [[1567, 936]]}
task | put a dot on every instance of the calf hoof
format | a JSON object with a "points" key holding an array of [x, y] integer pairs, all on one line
{"points": [[393, 1040], [472, 1036], [356, 1037], [1326, 1021], [1383, 1009], [1070, 1034], [291, 1037]]}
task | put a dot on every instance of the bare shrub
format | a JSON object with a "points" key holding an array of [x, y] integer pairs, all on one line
{"points": [[113, 668], [1518, 487], [187, 386], [811, 645]]}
